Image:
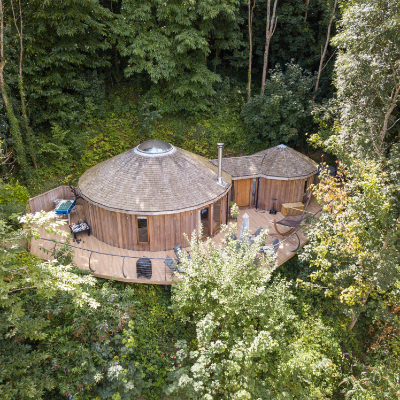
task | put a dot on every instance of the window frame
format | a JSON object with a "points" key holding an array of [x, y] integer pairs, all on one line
{"points": [[147, 227]]}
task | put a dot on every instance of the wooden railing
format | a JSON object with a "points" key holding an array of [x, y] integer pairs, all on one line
{"points": [[45, 201]]}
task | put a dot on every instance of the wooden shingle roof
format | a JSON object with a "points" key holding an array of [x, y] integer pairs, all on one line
{"points": [[279, 162], [135, 183]]}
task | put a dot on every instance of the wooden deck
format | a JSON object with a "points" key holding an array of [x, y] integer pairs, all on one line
{"points": [[116, 262]]}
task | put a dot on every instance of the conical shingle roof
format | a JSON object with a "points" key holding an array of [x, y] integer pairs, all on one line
{"points": [[279, 162], [150, 183]]}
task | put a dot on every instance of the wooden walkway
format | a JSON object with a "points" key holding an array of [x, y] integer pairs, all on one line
{"points": [[116, 264]]}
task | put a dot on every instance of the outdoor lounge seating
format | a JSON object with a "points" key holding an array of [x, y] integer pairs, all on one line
{"points": [[172, 265], [292, 221], [143, 268], [258, 231], [272, 248], [177, 250]]}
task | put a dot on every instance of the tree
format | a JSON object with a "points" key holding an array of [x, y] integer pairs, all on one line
{"points": [[29, 134], [368, 76], [23, 278], [269, 31], [283, 113], [323, 52], [169, 42], [249, 343], [14, 124], [250, 24], [353, 245]]}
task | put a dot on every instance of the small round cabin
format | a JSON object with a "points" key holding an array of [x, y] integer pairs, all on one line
{"points": [[279, 173], [150, 196]]}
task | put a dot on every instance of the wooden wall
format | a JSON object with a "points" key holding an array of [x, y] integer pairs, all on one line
{"points": [[45, 200], [120, 230], [284, 191]]}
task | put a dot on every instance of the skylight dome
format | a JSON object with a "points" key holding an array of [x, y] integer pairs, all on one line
{"points": [[154, 148]]}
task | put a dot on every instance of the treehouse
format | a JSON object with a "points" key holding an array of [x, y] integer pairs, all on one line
{"points": [[128, 214], [148, 197]]}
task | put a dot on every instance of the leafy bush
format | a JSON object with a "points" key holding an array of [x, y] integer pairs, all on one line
{"points": [[283, 113], [13, 199]]}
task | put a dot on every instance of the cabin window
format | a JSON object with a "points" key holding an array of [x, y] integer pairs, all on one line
{"points": [[217, 215], [143, 232], [253, 192], [233, 191], [305, 186], [205, 220]]}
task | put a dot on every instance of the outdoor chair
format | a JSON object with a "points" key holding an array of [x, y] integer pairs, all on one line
{"points": [[272, 248], [143, 268], [177, 250], [258, 231], [292, 221]]}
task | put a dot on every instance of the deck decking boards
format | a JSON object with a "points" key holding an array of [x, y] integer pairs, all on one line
{"points": [[110, 267]]}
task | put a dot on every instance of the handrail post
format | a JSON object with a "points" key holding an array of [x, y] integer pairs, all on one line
{"points": [[123, 272], [89, 261]]}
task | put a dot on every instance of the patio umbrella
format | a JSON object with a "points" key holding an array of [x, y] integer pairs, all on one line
{"points": [[245, 225]]}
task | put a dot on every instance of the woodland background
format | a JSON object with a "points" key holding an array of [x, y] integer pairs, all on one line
{"points": [[82, 81]]}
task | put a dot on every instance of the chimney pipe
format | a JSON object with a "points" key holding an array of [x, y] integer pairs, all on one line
{"points": [[220, 148]]}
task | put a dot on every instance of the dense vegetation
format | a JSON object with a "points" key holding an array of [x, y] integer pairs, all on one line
{"points": [[82, 81]]}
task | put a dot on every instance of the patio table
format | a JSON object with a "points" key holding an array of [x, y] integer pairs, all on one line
{"points": [[64, 207]]}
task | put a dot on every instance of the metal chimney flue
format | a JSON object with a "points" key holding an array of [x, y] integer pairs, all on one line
{"points": [[219, 178]]}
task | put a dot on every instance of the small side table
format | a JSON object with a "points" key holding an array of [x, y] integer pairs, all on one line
{"points": [[292, 208], [79, 227]]}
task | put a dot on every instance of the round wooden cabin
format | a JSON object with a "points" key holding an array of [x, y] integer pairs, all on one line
{"points": [[279, 173], [149, 197]]}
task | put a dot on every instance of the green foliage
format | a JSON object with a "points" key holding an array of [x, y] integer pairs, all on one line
{"points": [[169, 42], [22, 322], [283, 113], [63, 332], [64, 49], [249, 342], [146, 120], [13, 199], [367, 76], [354, 243]]}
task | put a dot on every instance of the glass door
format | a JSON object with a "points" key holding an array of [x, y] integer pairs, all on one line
{"points": [[204, 216], [217, 215]]}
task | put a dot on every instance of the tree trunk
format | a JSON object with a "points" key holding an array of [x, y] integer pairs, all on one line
{"points": [[269, 31], [251, 13], [14, 126], [29, 134], [321, 63], [305, 16], [216, 58]]}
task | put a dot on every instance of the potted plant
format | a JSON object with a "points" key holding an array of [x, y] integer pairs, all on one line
{"points": [[234, 210]]}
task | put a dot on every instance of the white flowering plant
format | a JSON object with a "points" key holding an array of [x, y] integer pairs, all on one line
{"points": [[21, 272], [249, 343], [234, 210]]}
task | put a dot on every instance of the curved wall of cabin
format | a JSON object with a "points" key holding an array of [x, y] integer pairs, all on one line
{"points": [[284, 191], [165, 231]]}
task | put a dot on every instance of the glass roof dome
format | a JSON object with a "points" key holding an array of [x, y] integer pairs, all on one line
{"points": [[154, 147]]}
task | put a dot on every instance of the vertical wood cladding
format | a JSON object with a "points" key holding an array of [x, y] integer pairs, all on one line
{"points": [[165, 231], [284, 191]]}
